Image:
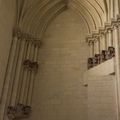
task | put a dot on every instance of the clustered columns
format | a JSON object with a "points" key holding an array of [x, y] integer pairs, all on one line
{"points": [[109, 37], [102, 45], [23, 67], [113, 9]]}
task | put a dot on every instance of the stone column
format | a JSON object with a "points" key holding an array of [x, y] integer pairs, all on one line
{"points": [[10, 63], [18, 71], [21, 74], [97, 46], [93, 48], [9, 74], [91, 52], [117, 67], [102, 42], [28, 81], [111, 9], [12, 77], [25, 75], [108, 14], [116, 8], [29, 99], [109, 38]]}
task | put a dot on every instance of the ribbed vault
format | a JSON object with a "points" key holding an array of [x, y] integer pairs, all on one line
{"points": [[35, 15]]}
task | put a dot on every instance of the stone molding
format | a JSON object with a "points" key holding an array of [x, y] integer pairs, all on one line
{"points": [[115, 23], [25, 36]]}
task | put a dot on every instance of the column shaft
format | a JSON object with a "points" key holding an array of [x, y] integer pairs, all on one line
{"points": [[102, 43], [31, 57], [97, 47], [8, 76], [17, 75], [21, 74], [91, 50], [32, 78], [9, 66], [12, 80], [117, 68], [116, 8], [25, 75], [111, 8], [110, 38]]}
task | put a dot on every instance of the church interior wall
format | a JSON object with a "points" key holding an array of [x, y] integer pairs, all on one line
{"points": [[58, 50], [59, 88]]}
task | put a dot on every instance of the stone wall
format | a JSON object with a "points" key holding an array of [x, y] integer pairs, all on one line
{"points": [[59, 93], [102, 98]]}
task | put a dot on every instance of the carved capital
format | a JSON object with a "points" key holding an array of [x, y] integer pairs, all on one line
{"points": [[91, 42], [115, 23], [102, 32], [96, 36], [17, 32]]}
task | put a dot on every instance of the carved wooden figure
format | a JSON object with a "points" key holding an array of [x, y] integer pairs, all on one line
{"points": [[11, 111], [111, 52], [30, 65], [34, 65], [105, 55], [90, 63], [20, 111], [26, 110], [98, 59], [27, 63]]}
